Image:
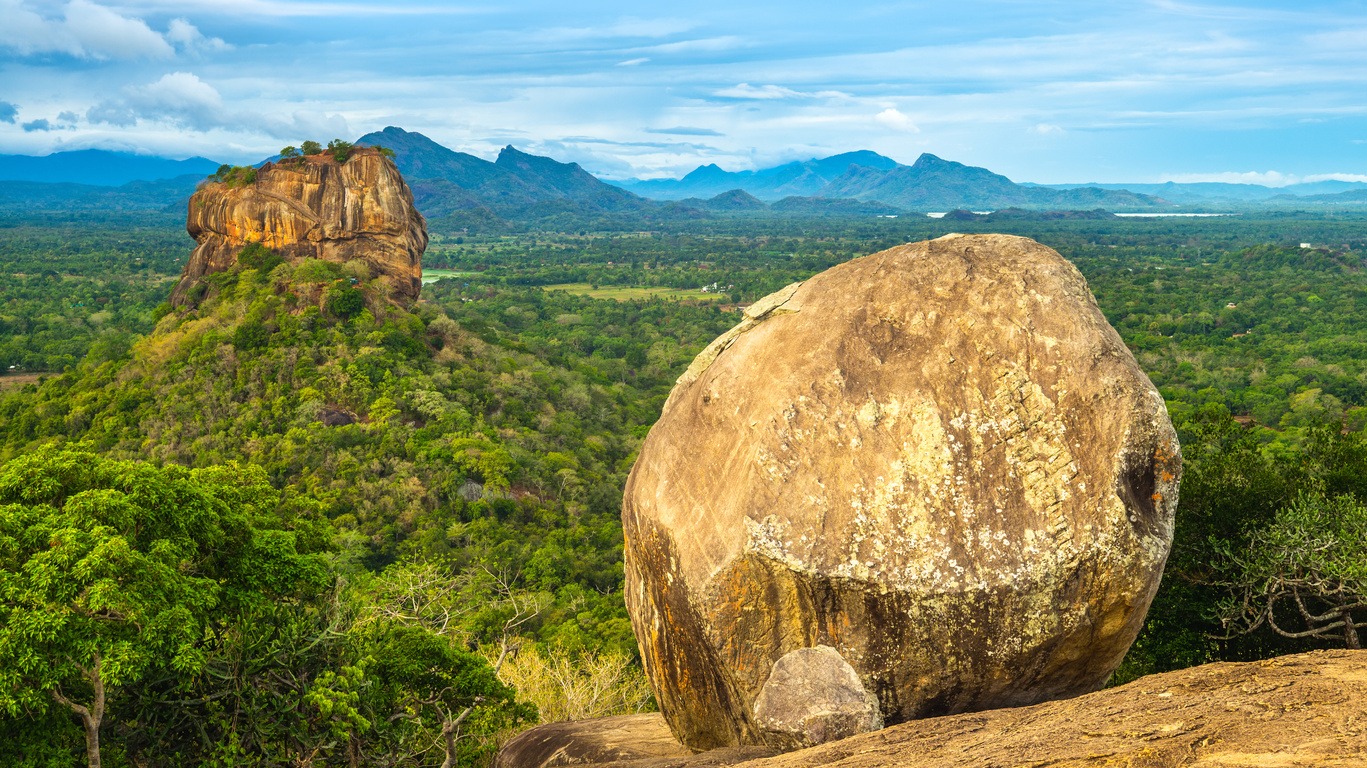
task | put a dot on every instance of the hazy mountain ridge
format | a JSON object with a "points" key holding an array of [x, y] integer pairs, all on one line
{"points": [[99, 167], [805, 178], [931, 183], [460, 190]]}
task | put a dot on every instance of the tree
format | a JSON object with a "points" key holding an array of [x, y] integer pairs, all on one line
{"points": [[1305, 574], [344, 301], [289, 153], [310, 147], [111, 569], [340, 150]]}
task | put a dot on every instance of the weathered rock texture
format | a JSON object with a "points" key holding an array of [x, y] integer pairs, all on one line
{"points": [[1294, 711], [939, 460], [626, 741], [313, 207]]}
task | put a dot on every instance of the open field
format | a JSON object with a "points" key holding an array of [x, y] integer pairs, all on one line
{"points": [[433, 275], [20, 379], [629, 292]]}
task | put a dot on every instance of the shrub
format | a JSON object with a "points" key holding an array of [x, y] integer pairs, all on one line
{"points": [[317, 271], [340, 150], [344, 301], [259, 257], [251, 334]]}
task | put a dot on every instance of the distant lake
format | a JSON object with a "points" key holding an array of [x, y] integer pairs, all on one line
{"points": [[1177, 215]]}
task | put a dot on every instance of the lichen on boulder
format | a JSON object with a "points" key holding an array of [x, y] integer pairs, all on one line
{"points": [[939, 462], [312, 207]]}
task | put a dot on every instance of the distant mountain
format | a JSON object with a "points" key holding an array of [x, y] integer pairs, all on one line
{"points": [[1221, 193], [932, 184], [736, 200], [833, 206], [515, 186], [99, 167], [158, 195], [1350, 197], [790, 179]]}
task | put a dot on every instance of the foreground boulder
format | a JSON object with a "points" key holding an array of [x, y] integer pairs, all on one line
{"points": [[938, 463], [312, 207], [1290, 712]]}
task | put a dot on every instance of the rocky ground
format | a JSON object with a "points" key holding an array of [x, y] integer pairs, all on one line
{"points": [[1302, 710]]}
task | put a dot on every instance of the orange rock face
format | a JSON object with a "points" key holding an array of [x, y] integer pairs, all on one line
{"points": [[313, 207]]}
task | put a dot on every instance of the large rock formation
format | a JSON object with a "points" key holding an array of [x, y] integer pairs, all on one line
{"points": [[1303, 711], [312, 207], [938, 462]]}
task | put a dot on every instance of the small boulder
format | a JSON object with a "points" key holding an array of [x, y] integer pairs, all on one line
{"points": [[814, 696]]}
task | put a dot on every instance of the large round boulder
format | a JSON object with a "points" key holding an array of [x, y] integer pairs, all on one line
{"points": [[932, 479]]}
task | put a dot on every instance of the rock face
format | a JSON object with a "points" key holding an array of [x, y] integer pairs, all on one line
{"points": [[939, 462], [313, 207], [629, 741], [1302, 711]]}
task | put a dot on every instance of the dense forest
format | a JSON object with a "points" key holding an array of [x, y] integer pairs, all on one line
{"points": [[295, 523]]}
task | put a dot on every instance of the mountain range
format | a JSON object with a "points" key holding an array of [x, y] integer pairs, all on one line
{"points": [[802, 179], [457, 190], [929, 184], [100, 167]]}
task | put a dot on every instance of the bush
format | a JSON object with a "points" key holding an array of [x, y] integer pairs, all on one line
{"points": [[340, 150], [251, 334], [344, 301], [317, 271], [259, 257]]}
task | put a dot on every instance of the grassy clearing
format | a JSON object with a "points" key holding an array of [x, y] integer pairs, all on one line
{"points": [[433, 275], [629, 292], [20, 379]]}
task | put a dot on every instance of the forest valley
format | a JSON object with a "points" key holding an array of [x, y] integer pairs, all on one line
{"points": [[296, 524]]}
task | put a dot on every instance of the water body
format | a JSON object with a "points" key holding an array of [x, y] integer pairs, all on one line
{"points": [[1176, 215]]}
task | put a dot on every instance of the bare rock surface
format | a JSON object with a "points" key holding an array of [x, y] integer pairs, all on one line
{"points": [[1290, 712], [1303, 710], [627, 741], [312, 207], [939, 461]]}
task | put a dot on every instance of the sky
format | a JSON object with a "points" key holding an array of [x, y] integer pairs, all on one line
{"points": [[1045, 91]]}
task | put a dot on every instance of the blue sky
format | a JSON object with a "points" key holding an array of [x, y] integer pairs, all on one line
{"points": [[1040, 90]]}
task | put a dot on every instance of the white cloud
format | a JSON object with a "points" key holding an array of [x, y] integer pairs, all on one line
{"points": [[704, 45], [102, 33], [84, 30], [1046, 129], [183, 99], [90, 31], [894, 119], [1359, 177], [772, 93], [632, 62], [1265, 178], [187, 37]]}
